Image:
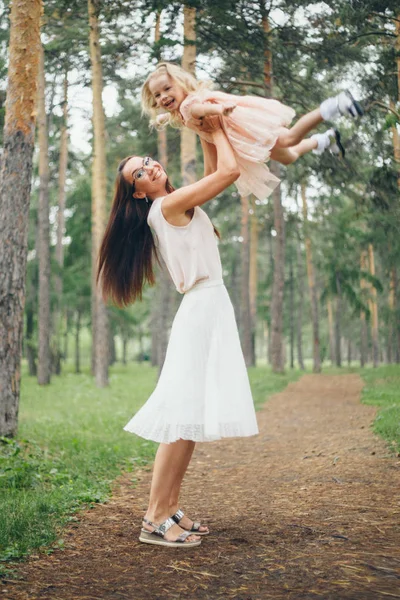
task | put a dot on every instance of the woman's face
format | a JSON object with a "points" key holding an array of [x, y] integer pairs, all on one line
{"points": [[147, 175]]}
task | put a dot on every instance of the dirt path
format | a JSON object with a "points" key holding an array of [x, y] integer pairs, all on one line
{"points": [[308, 509]]}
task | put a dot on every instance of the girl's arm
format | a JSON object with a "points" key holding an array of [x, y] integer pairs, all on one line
{"points": [[210, 157], [177, 203]]}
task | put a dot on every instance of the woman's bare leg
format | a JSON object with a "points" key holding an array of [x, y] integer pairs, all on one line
{"points": [[287, 156], [170, 461], [293, 136], [174, 497]]}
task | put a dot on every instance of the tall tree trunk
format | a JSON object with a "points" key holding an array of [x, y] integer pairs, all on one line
{"points": [[99, 191], [66, 332], [15, 186], [112, 353], [338, 323], [253, 277], [124, 349], [291, 311], [363, 320], [77, 341], [30, 350], [59, 253], [374, 310], [311, 285], [396, 153], [349, 352], [331, 331], [245, 315], [391, 318], [300, 288], [188, 137], [44, 325], [277, 350]]}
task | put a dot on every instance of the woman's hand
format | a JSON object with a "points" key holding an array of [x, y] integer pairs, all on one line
{"points": [[210, 124]]}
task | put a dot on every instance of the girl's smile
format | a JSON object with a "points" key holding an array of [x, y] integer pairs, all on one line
{"points": [[167, 93]]}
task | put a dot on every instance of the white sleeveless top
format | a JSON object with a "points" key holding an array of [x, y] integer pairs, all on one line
{"points": [[190, 251]]}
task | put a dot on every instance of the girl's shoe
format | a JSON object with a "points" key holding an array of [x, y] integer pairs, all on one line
{"points": [[330, 140], [342, 104], [157, 536], [195, 527]]}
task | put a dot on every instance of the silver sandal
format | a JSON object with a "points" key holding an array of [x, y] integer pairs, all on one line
{"points": [[158, 535], [196, 524]]}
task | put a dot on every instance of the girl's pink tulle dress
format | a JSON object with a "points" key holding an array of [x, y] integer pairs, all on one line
{"points": [[252, 129]]}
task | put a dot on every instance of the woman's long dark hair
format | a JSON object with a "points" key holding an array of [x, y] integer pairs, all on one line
{"points": [[125, 261], [127, 251]]}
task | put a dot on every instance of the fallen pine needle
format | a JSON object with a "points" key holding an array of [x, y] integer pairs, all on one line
{"points": [[191, 571]]}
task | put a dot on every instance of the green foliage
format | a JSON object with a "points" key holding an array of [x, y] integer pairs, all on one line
{"points": [[382, 389]]}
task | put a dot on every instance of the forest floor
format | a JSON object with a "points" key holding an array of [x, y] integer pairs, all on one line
{"points": [[307, 509]]}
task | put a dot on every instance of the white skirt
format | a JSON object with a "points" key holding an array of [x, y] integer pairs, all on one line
{"points": [[203, 393]]}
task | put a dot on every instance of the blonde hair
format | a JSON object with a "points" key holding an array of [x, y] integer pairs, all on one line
{"points": [[184, 79]]}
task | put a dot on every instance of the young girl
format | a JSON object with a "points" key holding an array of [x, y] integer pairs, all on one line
{"points": [[256, 127], [203, 392]]}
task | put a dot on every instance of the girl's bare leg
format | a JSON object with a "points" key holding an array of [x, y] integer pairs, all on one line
{"points": [[170, 464], [287, 156], [293, 136], [174, 497]]}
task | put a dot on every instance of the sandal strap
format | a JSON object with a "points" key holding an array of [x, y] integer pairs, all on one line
{"points": [[183, 536], [178, 516], [196, 526], [161, 529]]}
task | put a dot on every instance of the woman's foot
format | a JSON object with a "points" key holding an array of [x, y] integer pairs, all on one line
{"points": [[172, 532], [344, 104], [329, 140], [189, 525]]}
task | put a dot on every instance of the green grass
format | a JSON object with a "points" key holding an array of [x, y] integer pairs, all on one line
{"points": [[71, 446], [382, 388]]}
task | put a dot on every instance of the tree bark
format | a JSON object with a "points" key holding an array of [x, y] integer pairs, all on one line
{"points": [[276, 329], [188, 137], [44, 323], [331, 331], [77, 342], [277, 350], [374, 310], [30, 350], [124, 349], [245, 315], [112, 354], [363, 320], [99, 191], [311, 285], [253, 277], [291, 311], [59, 253], [300, 287], [15, 186], [338, 324]]}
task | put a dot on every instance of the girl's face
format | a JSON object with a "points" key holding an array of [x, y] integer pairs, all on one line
{"points": [[147, 175], [167, 92]]}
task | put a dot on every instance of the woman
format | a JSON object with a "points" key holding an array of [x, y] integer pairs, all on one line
{"points": [[203, 393]]}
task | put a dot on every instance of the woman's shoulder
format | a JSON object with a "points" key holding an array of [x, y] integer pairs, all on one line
{"points": [[155, 210]]}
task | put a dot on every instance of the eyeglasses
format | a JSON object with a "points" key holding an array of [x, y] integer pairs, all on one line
{"points": [[141, 172]]}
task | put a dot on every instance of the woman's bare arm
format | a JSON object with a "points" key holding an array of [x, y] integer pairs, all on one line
{"points": [[180, 201], [210, 157]]}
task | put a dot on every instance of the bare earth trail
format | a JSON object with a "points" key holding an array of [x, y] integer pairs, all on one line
{"points": [[310, 508]]}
